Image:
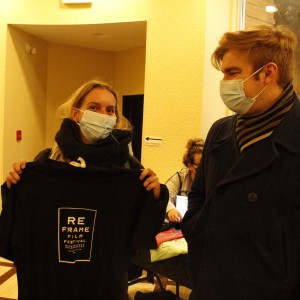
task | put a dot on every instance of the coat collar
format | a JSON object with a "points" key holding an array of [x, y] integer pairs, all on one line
{"points": [[288, 132], [235, 166]]}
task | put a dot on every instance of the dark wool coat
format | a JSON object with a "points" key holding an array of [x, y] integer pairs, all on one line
{"points": [[71, 232], [243, 222]]}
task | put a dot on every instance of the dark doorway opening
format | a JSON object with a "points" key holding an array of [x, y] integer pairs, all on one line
{"points": [[133, 107]]}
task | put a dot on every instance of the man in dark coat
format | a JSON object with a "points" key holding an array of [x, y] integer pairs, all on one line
{"points": [[243, 221]]}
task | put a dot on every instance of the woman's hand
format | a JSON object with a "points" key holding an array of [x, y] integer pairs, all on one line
{"points": [[174, 215], [13, 176], [151, 182]]}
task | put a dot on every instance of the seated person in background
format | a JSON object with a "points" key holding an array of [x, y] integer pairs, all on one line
{"points": [[180, 183]]}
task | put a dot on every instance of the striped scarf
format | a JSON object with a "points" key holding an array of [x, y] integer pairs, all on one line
{"points": [[251, 129]]}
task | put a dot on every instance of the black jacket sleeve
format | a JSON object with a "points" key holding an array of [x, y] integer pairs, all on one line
{"points": [[43, 155], [6, 229], [4, 193], [151, 220]]}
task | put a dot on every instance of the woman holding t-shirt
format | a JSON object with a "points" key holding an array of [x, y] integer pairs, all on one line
{"points": [[94, 133]]}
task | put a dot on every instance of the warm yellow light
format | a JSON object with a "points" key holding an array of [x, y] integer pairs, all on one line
{"points": [[271, 8], [76, 1]]}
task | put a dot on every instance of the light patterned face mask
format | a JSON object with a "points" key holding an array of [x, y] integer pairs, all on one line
{"points": [[95, 126], [233, 94]]}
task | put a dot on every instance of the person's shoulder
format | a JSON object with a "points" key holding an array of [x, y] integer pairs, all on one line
{"points": [[176, 176], [223, 127], [221, 130], [183, 172], [225, 121], [43, 155]]}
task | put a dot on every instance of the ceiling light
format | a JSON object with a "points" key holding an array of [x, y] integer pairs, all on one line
{"points": [[271, 9]]}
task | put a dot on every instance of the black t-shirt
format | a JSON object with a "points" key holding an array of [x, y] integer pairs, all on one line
{"points": [[70, 231]]}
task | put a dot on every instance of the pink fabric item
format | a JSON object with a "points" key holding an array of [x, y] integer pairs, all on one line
{"points": [[168, 235]]}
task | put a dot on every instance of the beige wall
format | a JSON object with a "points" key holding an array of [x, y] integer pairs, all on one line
{"points": [[179, 81], [129, 76], [221, 16], [68, 68], [25, 91]]}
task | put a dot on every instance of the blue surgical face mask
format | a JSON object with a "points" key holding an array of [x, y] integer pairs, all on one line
{"points": [[233, 94], [95, 126]]}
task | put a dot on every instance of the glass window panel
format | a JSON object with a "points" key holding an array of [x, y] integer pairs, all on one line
{"points": [[288, 13]]}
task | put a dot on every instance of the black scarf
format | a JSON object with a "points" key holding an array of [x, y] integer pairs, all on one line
{"points": [[113, 150]]}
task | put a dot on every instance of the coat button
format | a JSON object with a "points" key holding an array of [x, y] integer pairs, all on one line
{"points": [[252, 197]]}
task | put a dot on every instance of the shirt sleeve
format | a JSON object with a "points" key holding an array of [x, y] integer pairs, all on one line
{"points": [[173, 185]]}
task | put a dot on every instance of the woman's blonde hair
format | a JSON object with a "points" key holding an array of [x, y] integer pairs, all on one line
{"points": [[77, 99], [262, 44]]}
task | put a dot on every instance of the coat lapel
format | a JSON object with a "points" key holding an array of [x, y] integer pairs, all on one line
{"points": [[252, 161], [288, 133], [235, 166]]}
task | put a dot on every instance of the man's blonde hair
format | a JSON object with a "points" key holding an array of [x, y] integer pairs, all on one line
{"points": [[262, 44]]}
